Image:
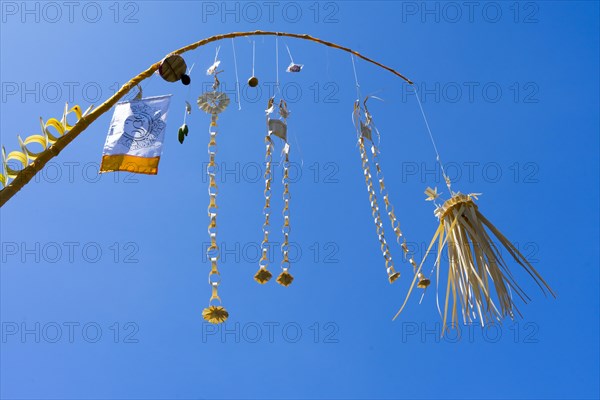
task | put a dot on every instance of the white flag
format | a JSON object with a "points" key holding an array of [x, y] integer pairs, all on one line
{"points": [[136, 135]]}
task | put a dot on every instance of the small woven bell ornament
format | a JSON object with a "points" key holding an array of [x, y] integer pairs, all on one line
{"points": [[423, 281], [480, 284]]}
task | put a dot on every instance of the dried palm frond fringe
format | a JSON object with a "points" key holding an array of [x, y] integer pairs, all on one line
{"points": [[476, 266]]}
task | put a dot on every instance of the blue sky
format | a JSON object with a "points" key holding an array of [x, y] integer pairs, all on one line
{"points": [[103, 279]]}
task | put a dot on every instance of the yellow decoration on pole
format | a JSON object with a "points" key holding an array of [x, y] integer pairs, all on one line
{"points": [[26, 157]]}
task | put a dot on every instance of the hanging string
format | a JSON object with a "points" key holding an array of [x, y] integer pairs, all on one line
{"points": [[141, 87], [188, 109], [355, 78], [277, 65], [371, 96], [187, 96], [197, 58], [293, 134], [185, 114], [437, 154], [237, 79], [253, 56], [290, 54], [299, 149], [217, 53]]}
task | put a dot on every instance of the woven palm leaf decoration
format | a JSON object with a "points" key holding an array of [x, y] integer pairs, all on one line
{"points": [[480, 283]]}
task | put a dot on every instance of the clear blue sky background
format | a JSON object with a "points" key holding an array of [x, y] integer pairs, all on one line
{"points": [[512, 98]]}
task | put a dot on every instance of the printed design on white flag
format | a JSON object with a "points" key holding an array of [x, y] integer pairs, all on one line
{"points": [[138, 127], [136, 135], [143, 128]]}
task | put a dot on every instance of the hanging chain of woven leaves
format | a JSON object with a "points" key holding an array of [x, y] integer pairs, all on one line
{"points": [[276, 127], [213, 103], [285, 278], [389, 208], [213, 314], [368, 128], [263, 275], [385, 250], [364, 131]]}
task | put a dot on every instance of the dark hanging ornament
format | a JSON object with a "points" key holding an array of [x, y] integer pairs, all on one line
{"points": [[182, 133], [253, 82], [294, 67], [172, 68]]}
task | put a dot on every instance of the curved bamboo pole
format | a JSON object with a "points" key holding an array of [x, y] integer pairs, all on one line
{"points": [[29, 172]]}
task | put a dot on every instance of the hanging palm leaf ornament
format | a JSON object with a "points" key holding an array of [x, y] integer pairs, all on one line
{"points": [[477, 271], [479, 281]]}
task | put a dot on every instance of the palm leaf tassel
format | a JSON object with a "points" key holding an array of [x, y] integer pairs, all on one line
{"points": [[476, 266]]}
